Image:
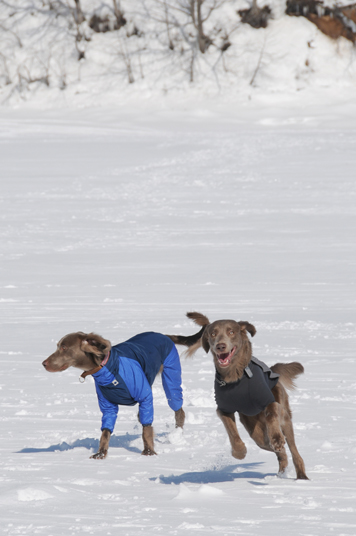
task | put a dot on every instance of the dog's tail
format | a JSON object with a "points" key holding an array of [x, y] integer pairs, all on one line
{"points": [[287, 373], [193, 342]]}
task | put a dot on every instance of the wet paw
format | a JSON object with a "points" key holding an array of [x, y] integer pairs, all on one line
{"points": [[99, 455], [301, 475], [282, 473], [180, 418], [239, 451], [148, 452]]}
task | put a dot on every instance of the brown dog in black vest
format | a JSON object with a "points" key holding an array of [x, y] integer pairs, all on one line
{"points": [[245, 385]]}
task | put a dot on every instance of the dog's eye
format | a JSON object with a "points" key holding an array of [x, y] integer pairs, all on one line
{"points": [[213, 334], [231, 331], [64, 347]]}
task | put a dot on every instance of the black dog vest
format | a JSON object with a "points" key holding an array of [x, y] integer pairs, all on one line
{"points": [[251, 393]]}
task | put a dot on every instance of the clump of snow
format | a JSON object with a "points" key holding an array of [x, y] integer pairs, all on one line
{"points": [[32, 494], [205, 491], [176, 437], [209, 491]]}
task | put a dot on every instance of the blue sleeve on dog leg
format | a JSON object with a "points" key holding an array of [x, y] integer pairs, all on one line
{"points": [[108, 410], [146, 410], [139, 388]]}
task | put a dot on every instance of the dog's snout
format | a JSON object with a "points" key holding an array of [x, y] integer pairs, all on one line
{"points": [[44, 363], [221, 347]]}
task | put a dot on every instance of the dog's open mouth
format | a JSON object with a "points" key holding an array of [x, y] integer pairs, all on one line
{"points": [[225, 359]]}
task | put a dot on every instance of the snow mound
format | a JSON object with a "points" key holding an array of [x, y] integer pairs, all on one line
{"points": [[176, 437], [32, 494], [205, 491]]}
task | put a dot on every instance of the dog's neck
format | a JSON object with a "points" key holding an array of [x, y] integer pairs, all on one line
{"points": [[230, 376], [89, 370], [235, 372]]}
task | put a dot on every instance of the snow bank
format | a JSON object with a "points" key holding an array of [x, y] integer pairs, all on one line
{"points": [[39, 56]]}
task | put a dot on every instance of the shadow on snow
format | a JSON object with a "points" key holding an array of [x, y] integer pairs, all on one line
{"points": [[211, 476], [88, 443], [226, 474]]}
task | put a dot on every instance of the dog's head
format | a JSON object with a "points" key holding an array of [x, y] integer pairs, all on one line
{"points": [[80, 350], [229, 344]]}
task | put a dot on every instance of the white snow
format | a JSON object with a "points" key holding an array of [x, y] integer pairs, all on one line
{"points": [[119, 221], [41, 43]]}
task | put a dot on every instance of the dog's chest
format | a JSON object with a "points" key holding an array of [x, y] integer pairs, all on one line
{"points": [[249, 395]]}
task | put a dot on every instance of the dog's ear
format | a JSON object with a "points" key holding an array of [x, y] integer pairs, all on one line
{"points": [[248, 327], [96, 346], [205, 341]]}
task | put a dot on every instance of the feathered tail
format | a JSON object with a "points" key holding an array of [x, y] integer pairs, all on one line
{"points": [[287, 373], [193, 342]]}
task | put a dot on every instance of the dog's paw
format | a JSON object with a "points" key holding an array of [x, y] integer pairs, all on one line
{"points": [[277, 442], [239, 451], [99, 455], [301, 475], [180, 418], [148, 452]]}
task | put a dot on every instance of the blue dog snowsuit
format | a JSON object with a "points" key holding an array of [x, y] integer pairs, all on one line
{"points": [[129, 373]]}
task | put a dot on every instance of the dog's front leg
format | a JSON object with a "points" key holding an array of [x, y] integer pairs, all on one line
{"points": [[147, 437], [274, 432], [180, 418], [238, 448], [103, 445]]}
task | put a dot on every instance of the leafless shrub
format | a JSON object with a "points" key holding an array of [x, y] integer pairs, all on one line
{"points": [[255, 16], [4, 71], [78, 13]]}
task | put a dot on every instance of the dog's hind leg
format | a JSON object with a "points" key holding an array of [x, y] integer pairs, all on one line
{"points": [[282, 460], [180, 418], [238, 448], [297, 459], [273, 414], [274, 431], [147, 437]]}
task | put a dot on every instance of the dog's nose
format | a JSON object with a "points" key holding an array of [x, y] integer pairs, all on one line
{"points": [[44, 363], [221, 347]]}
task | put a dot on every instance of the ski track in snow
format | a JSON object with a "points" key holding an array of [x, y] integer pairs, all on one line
{"points": [[120, 225]]}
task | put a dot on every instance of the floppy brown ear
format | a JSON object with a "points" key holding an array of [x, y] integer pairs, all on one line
{"points": [[249, 327], [205, 341], [96, 346]]}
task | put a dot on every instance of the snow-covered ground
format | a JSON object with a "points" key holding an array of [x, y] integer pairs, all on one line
{"points": [[120, 222], [155, 53]]}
